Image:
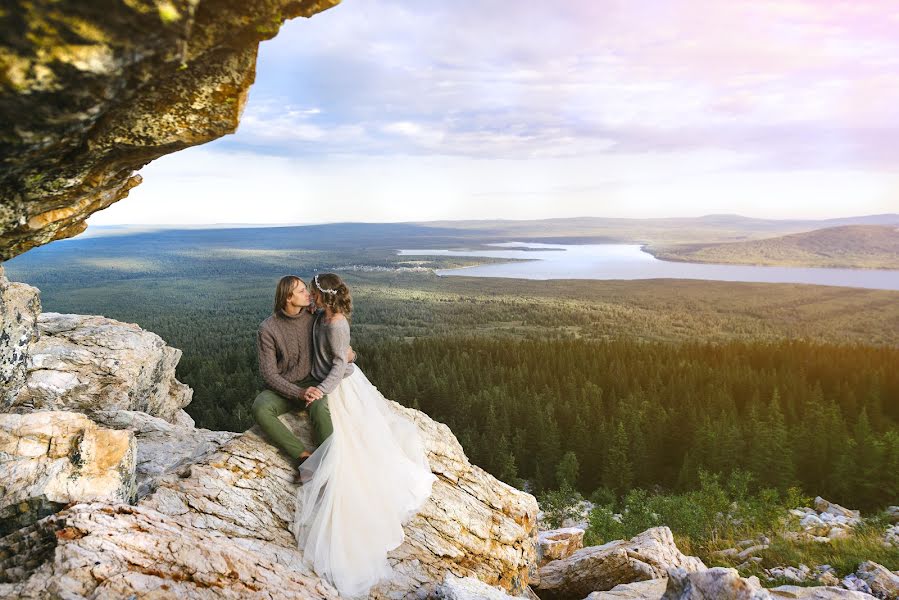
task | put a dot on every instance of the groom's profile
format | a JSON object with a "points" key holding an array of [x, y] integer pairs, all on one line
{"points": [[284, 345]]}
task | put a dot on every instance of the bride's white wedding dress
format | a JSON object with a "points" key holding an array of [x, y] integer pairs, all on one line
{"points": [[359, 487]]}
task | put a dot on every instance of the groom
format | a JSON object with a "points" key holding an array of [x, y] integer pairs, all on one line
{"points": [[284, 347]]}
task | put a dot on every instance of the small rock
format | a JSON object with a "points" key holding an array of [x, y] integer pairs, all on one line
{"points": [[558, 543]]}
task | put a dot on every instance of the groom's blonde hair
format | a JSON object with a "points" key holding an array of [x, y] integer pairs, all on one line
{"points": [[285, 286]]}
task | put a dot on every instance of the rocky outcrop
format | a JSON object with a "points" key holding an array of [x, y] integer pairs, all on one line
{"points": [[53, 458], [88, 364], [92, 91], [236, 504], [597, 568], [20, 306], [140, 502]]}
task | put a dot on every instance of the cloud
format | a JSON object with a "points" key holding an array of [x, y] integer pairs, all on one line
{"points": [[532, 79], [531, 108]]}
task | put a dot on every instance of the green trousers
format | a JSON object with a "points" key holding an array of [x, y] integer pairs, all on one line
{"points": [[268, 405]]}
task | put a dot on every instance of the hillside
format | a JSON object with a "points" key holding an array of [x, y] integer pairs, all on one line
{"points": [[850, 246]]}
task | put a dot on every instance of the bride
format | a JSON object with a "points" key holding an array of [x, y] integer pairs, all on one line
{"points": [[365, 480]]}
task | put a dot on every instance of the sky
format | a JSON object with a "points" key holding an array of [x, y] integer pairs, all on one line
{"points": [[415, 110]]}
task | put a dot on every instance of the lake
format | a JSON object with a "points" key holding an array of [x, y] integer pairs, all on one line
{"points": [[628, 261]]}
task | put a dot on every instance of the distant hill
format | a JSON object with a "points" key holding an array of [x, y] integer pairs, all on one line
{"points": [[848, 246], [708, 229]]}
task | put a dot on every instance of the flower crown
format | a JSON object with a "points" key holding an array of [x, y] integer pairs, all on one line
{"points": [[321, 289]]}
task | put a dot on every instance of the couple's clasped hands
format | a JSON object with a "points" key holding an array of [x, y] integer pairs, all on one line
{"points": [[311, 395]]}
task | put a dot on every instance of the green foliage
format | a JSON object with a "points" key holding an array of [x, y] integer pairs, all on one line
{"points": [[714, 512], [560, 505], [567, 471]]}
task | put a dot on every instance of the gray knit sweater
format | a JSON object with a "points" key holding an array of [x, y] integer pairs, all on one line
{"points": [[285, 357], [330, 342]]}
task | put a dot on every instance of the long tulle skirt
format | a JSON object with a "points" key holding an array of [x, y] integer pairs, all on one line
{"points": [[359, 488]]}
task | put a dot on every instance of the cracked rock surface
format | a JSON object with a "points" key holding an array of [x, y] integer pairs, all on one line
{"points": [[89, 363], [220, 530], [52, 458], [20, 305], [92, 91]]}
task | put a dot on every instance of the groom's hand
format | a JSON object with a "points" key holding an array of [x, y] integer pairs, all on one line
{"points": [[311, 395], [350, 354]]}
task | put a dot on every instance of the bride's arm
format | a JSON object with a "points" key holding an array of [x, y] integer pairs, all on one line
{"points": [[338, 340]]}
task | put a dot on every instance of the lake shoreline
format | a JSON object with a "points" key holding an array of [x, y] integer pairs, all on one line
{"points": [[543, 262]]}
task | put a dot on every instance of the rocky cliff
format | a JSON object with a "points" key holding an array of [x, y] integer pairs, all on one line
{"points": [[108, 488], [92, 91]]}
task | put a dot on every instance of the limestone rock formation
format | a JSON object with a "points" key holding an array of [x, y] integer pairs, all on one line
{"points": [[212, 513], [235, 506], [86, 364], [52, 458], [20, 306], [92, 91], [817, 593], [597, 568]]}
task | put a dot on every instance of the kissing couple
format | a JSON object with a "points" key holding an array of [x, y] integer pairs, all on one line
{"points": [[369, 474]]}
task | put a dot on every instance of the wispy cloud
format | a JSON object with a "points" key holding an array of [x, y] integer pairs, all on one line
{"points": [[490, 108]]}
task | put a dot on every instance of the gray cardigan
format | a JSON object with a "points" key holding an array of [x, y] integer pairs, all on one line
{"points": [[330, 342]]}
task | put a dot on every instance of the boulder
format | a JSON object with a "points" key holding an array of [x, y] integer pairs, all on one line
{"points": [[20, 306], [558, 543], [719, 583], [883, 582], [53, 458], [89, 363], [598, 568]]}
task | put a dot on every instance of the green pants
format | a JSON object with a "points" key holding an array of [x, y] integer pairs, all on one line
{"points": [[269, 405]]}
